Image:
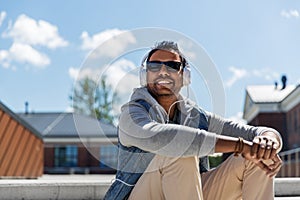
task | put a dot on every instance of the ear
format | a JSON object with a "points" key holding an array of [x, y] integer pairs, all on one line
{"points": [[143, 76], [186, 76]]}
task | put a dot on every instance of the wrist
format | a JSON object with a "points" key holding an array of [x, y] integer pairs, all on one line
{"points": [[239, 146], [247, 147], [242, 147]]}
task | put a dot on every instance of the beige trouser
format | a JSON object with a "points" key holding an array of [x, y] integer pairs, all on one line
{"points": [[178, 178]]}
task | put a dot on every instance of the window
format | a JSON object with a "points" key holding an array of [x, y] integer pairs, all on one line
{"points": [[108, 156], [65, 156]]}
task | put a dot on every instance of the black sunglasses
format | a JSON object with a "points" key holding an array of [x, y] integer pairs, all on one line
{"points": [[155, 66]]}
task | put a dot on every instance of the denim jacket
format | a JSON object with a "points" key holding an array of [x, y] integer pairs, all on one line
{"points": [[132, 162]]}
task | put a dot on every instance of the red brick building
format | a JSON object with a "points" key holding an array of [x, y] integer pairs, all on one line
{"points": [[75, 143], [21, 147], [277, 107]]}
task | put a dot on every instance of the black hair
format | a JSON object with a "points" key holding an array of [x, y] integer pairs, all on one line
{"points": [[168, 46]]}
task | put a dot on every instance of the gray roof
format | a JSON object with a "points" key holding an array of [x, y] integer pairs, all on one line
{"points": [[268, 93], [20, 120], [68, 125]]}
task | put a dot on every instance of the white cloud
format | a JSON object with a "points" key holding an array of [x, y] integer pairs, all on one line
{"points": [[289, 14], [112, 48], [265, 73], [115, 73], [122, 75], [29, 31], [23, 53], [26, 34], [90, 43], [78, 74], [237, 75], [73, 72], [2, 17], [4, 55]]}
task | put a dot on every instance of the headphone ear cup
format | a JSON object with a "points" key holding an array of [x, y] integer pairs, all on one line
{"points": [[143, 76], [186, 76]]}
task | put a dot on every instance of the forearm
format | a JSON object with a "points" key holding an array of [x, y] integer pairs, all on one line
{"points": [[222, 126], [226, 127], [168, 139], [226, 144], [137, 129]]}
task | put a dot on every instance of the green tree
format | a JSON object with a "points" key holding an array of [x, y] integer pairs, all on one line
{"points": [[94, 100]]}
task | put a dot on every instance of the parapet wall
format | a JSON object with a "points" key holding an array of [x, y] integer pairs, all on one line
{"points": [[92, 187]]}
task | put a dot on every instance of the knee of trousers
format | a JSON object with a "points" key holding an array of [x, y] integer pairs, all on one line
{"points": [[241, 162]]}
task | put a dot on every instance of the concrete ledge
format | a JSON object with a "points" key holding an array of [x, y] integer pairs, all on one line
{"points": [[58, 187], [287, 187], [92, 187]]}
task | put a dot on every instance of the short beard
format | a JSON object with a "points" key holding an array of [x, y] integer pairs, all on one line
{"points": [[157, 95]]}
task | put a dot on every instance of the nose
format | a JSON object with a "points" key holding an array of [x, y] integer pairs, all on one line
{"points": [[164, 71]]}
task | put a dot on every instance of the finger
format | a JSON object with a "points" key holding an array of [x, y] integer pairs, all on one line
{"points": [[268, 150], [275, 167], [255, 147], [261, 148], [277, 159], [263, 166], [274, 150], [273, 172]]}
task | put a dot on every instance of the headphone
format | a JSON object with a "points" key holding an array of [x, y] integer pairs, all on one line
{"points": [[186, 72]]}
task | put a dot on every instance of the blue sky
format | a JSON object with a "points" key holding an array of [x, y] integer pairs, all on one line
{"points": [[43, 44]]}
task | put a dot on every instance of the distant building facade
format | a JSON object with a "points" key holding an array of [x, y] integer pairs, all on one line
{"points": [[75, 143], [276, 107], [21, 147]]}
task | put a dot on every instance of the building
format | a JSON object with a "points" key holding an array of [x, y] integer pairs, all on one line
{"points": [[21, 147], [277, 107], [75, 143]]}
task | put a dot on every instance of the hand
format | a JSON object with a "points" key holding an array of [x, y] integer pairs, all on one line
{"points": [[272, 168], [264, 147], [271, 165]]}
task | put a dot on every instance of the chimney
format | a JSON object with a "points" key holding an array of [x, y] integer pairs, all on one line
{"points": [[26, 107], [276, 84], [283, 79]]}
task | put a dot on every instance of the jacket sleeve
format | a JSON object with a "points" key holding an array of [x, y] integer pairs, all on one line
{"points": [[136, 128], [227, 127]]}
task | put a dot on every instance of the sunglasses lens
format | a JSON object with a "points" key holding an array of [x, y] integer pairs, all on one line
{"points": [[155, 66], [173, 65]]}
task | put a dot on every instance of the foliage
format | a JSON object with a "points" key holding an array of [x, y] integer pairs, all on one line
{"points": [[215, 160], [94, 100]]}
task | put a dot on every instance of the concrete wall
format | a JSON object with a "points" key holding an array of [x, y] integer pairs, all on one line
{"points": [[93, 187]]}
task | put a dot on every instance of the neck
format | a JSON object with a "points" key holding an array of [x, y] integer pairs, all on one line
{"points": [[166, 102]]}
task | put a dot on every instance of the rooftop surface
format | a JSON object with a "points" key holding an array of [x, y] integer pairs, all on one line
{"points": [[68, 125], [268, 93]]}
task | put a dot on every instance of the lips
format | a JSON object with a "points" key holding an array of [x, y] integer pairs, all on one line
{"points": [[164, 82]]}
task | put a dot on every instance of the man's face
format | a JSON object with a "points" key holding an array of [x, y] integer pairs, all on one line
{"points": [[165, 81]]}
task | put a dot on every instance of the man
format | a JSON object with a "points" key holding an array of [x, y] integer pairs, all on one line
{"points": [[162, 135]]}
